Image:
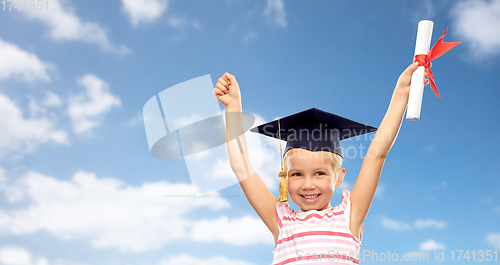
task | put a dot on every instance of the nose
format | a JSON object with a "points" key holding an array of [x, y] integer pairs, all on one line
{"points": [[308, 184]]}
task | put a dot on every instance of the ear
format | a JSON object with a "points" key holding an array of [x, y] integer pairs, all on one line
{"points": [[340, 177]]}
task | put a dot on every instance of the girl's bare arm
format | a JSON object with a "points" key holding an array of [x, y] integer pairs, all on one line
{"points": [[371, 169], [258, 194]]}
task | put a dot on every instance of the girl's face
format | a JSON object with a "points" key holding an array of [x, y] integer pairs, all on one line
{"points": [[311, 173]]}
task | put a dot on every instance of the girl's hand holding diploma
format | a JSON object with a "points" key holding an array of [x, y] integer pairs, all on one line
{"points": [[394, 116], [227, 91], [402, 89]]}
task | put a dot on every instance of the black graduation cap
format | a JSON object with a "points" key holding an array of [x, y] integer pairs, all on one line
{"points": [[314, 130]]}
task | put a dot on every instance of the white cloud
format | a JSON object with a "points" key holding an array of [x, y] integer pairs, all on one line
{"points": [[431, 245], [476, 22], [185, 259], [87, 109], [224, 229], [494, 240], [12, 255], [275, 11], [19, 64], [184, 121], [220, 170], [395, 225], [37, 108], [63, 24], [145, 11], [112, 214], [137, 119], [3, 178], [183, 22], [148, 11], [34, 108], [20, 134], [429, 223], [420, 223], [380, 190], [347, 185], [51, 99], [15, 255]]}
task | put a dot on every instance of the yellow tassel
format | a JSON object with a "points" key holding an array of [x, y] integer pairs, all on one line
{"points": [[283, 189]]}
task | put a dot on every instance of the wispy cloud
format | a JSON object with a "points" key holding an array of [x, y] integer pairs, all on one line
{"points": [[380, 190], [149, 11], [185, 259], [136, 120], [112, 214], [493, 239], [13, 255], [23, 135], [146, 11], [183, 22], [476, 23], [418, 224], [51, 99], [275, 12], [19, 64], [88, 108], [431, 245], [64, 25], [223, 230], [183, 121], [41, 107]]}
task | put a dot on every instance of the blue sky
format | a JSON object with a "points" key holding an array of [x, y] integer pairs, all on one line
{"points": [[79, 185]]}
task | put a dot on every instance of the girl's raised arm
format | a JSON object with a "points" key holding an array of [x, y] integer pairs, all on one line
{"points": [[364, 190], [258, 194]]}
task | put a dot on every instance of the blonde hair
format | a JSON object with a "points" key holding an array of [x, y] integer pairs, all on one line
{"points": [[334, 158]]}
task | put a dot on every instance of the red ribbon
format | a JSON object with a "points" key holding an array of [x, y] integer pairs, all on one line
{"points": [[437, 50]]}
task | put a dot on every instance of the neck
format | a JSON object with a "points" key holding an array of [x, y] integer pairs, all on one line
{"points": [[328, 206]]}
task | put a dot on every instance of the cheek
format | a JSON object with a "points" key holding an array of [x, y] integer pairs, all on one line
{"points": [[327, 184], [292, 185]]}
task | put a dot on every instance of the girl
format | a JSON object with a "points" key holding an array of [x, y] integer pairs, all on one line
{"points": [[318, 232]]}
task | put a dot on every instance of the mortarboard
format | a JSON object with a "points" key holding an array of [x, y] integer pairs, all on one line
{"points": [[313, 130]]}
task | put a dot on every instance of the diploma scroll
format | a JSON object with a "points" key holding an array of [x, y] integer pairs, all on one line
{"points": [[423, 43]]}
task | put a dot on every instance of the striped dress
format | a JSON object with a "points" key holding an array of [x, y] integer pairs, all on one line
{"points": [[316, 237]]}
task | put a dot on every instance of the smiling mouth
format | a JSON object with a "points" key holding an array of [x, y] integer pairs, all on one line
{"points": [[311, 197]]}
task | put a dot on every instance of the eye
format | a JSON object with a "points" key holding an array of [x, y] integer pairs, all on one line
{"points": [[320, 173], [295, 174]]}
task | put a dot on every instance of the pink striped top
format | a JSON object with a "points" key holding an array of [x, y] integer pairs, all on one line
{"points": [[316, 237]]}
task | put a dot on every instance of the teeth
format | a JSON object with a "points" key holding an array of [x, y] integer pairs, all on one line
{"points": [[311, 197]]}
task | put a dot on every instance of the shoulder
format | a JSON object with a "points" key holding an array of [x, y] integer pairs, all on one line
{"points": [[283, 208], [346, 199], [355, 225]]}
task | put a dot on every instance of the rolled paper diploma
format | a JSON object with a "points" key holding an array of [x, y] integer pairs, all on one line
{"points": [[424, 35]]}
